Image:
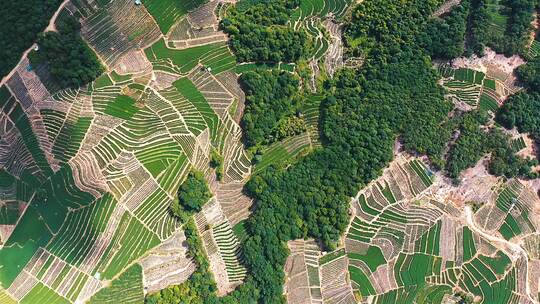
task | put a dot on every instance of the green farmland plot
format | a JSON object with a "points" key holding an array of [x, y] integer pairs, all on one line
{"points": [[69, 139], [58, 194], [158, 155], [412, 269], [185, 87], [81, 230], [127, 288], [510, 227], [498, 264], [424, 173], [215, 56], [122, 107], [129, 242], [332, 256], [42, 294], [321, 8], [518, 144], [9, 213], [430, 241], [534, 50], [5, 298], [15, 112], [469, 248], [373, 257], [490, 84], [168, 12], [5, 95], [361, 281], [285, 151], [507, 199], [433, 294], [14, 257], [401, 295], [488, 103], [103, 81], [118, 78]]}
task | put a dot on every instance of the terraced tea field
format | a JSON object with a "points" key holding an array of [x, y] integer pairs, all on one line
{"points": [[88, 175], [471, 88], [86, 193]]}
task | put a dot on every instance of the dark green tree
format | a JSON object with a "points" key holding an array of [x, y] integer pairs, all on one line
{"points": [[270, 98], [192, 195], [21, 23], [259, 32], [70, 60]]}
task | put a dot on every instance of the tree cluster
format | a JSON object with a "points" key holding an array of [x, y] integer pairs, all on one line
{"points": [[529, 74], [513, 39], [505, 162], [216, 162], [70, 60], [472, 23], [192, 195], [444, 38], [270, 100], [394, 26], [260, 32], [21, 23], [475, 141], [521, 111], [470, 146]]}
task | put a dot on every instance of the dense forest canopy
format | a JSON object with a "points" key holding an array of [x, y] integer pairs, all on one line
{"points": [[529, 74], [444, 37], [260, 32], [472, 25], [522, 111], [470, 146], [193, 193], [270, 100], [70, 60], [21, 23]]}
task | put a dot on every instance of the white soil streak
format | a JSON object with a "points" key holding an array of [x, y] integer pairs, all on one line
{"points": [[167, 264]]}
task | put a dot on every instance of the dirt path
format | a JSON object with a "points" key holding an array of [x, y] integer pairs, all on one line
{"points": [[510, 248], [446, 7], [50, 27]]}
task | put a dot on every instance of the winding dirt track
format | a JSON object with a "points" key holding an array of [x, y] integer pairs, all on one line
{"points": [[50, 27]]}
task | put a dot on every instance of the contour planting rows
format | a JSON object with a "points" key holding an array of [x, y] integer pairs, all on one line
{"points": [[88, 174], [222, 247], [470, 88], [87, 177]]}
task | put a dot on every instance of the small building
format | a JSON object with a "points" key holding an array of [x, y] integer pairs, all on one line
{"points": [[138, 2]]}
